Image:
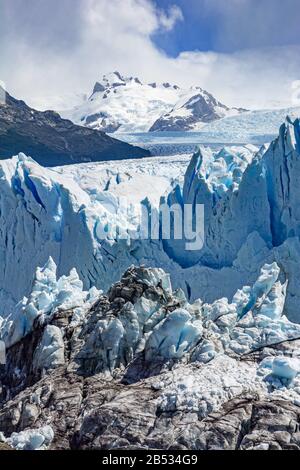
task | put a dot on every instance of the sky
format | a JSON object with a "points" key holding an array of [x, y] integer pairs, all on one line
{"points": [[245, 52]]}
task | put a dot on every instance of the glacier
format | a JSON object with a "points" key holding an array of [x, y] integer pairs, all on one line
{"points": [[31, 439], [113, 341], [147, 315], [48, 294], [249, 126], [287, 368], [60, 212], [251, 218], [257, 214]]}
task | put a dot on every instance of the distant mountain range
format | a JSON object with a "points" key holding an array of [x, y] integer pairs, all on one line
{"points": [[53, 141], [125, 104]]}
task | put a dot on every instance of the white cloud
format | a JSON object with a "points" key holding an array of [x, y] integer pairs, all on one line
{"points": [[296, 92], [43, 68], [2, 92], [169, 19]]}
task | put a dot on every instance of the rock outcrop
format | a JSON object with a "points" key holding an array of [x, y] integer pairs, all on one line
{"points": [[201, 108], [143, 368], [53, 141]]}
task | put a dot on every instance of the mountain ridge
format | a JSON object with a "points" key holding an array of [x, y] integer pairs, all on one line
{"points": [[125, 104], [53, 141]]}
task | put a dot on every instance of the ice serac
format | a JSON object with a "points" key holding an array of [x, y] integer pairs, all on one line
{"points": [[253, 209], [251, 219], [31, 439], [144, 367], [41, 217], [282, 166], [174, 337], [48, 294], [142, 315], [44, 213]]}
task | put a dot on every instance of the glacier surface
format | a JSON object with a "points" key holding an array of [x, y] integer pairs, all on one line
{"points": [[251, 218], [31, 439]]}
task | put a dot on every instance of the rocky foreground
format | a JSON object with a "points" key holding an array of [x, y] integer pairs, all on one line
{"points": [[141, 368]]}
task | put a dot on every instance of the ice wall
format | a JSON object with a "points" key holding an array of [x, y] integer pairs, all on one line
{"points": [[251, 218], [42, 214], [257, 216]]}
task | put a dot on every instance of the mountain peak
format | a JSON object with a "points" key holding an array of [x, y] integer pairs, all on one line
{"points": [[113, 78], [125, 104]]}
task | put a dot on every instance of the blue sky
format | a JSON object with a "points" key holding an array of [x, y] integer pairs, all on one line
{"points": [[245, 52], [231, 25], [195, 32]]}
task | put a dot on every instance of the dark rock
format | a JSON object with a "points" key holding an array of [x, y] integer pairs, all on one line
{"points": [[98, 88], [89, 408], [53, 141], [203, 107], [4, 446]]}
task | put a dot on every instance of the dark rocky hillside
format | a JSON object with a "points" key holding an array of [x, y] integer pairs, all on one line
{"points": [[53, 141]]}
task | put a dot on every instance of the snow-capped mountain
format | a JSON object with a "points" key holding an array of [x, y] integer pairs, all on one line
{"points": [[191, 113], [125, 104]]}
